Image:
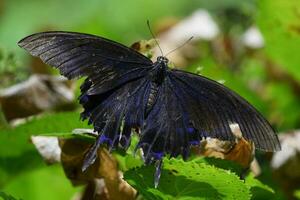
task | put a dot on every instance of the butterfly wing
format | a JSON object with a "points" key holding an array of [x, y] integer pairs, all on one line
{"points": [[116, 114], [112, 94], [107, 64], [190, 107]]}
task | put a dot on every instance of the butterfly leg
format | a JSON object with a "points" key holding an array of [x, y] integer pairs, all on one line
{"points": [[90, 157], [244, 173]]}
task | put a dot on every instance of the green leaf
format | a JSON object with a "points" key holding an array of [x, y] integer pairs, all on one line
{"points": [[188, 180], [259, 190], [127, 160], [297, 194], [223, 164], [3, 122], [70, 135], [16, 149], [5, 196], [19, 136], [45, 183], [280, 24]]}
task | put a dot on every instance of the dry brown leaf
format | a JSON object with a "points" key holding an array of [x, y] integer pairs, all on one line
{"points": [[39, 93], [240, 151], [105, 167]]}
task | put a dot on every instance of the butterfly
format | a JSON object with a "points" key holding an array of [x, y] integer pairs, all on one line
{"points": [[125, 91]]}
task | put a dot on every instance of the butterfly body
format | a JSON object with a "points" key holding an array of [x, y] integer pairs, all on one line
{"points": [[157, 76], [125, 90]]}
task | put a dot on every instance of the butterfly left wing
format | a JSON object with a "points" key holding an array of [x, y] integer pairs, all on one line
{"points": [[112, 94], [107, 64], [190, 107]]}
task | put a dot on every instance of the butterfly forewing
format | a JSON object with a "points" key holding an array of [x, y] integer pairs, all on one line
{"points": [[106, 63]]}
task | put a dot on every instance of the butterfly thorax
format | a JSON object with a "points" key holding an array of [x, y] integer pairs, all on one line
{"points": [[159, 70]]}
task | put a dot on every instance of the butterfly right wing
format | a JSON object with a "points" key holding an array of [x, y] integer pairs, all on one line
{"points": [[191, 107], [213, 107]]}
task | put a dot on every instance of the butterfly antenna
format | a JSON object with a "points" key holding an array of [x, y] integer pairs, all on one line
{"points": [[180, 45], [149, 27]]}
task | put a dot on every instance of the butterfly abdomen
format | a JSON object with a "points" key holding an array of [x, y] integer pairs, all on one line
{"points": [[157, 77], [152, 97]]}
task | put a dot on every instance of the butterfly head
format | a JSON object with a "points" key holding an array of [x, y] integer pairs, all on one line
{"points": [[160, 68], [162, 60]]}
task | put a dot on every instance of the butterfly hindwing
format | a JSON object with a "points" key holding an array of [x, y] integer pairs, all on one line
{"points": [[116, 114]]}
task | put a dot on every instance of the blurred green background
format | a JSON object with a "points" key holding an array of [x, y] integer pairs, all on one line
{"points": [[268, 77]]}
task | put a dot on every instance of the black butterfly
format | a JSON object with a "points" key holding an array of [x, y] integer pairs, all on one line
{"points": [[125, 90]]}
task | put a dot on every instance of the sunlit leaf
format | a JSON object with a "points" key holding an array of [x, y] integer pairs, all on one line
{"points": [[188, 180]]}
